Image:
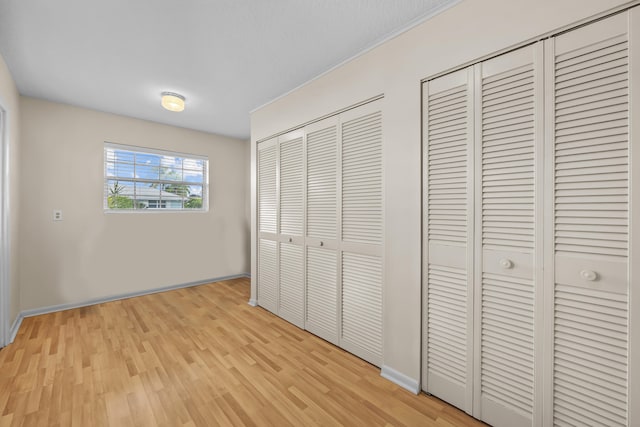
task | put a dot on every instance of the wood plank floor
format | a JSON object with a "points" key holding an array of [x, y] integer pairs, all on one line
{"points": [[197, 356]]}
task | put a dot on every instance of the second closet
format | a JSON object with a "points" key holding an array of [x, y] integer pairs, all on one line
{"points": [[528, 195]]}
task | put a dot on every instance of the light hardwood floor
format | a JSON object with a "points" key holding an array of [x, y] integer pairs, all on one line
{"points": [[197, 356]]}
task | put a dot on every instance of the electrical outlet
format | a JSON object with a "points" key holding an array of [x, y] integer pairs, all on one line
{"points": [[57, 215]]}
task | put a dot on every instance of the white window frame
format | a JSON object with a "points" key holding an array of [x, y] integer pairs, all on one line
{"points": [[154, 151]]}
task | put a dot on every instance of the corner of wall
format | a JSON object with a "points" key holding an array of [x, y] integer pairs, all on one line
{"points": [[398, 378], [247, 206], [10, 104], [253, 220]]}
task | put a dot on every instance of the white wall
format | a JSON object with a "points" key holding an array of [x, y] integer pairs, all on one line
{"points": [[464, 33], [10, 103], [91, 254]]}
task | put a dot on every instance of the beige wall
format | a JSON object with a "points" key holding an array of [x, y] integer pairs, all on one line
{"points": [[470, 30], [10, 103], [91, 254]]}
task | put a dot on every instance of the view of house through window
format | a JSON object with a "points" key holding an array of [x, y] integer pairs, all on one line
{"points": [[137, 178]]}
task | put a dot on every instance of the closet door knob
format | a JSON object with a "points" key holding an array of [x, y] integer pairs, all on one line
{"points": [[321, 243], [506, 263], [589, 275], [290, 240]]}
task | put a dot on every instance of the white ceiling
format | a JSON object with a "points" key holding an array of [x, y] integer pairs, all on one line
{"points": [[226, 57]]}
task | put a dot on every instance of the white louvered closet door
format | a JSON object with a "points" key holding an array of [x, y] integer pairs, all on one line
{"points": [[362, 232], [291, 251], [508, 257], [448, 246], [268, 225], [592, 85], [322, 294]]}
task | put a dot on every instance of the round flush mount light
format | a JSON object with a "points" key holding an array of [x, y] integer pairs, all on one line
{"points": [[172, 101]]}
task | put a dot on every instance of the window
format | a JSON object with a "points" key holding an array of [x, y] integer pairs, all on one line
{"points": [[142, 179]]}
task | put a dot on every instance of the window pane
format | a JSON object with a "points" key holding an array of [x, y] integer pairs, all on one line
{"points": [[147, 195], [195, 190], [120, 170], [194, 201], [170, 174], [148, 159], [124, 156], [176, 191], [193, 170], [120, 194], [196, 176], [193, 164], [173, 195], [171, 162], [147, 171], [171, 168]]}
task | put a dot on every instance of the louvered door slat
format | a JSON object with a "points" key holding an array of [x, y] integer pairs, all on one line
{"points": [[362, 306], [362, 179], [591, 225], [322, 293], [515, 331], [268, 275], [291, 307], [442, 162], [583, 340], [291, 187], [267, 197], [322, 183], [446, 334]]}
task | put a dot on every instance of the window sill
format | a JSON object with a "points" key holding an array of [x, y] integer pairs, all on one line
{"points": [[153, 211]]}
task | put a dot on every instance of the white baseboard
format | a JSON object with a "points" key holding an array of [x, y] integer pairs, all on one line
{"points": [[400, 379], [252, 302], [94, 301], [14, 327]]}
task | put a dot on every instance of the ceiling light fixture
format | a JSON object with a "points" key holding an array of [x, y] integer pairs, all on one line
{"points": [[172, 101]]}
